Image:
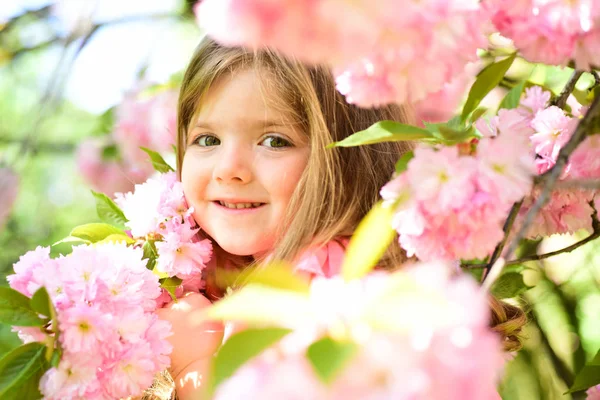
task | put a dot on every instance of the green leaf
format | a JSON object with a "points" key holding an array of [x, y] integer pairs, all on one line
{"points": [[384, 131], [369, 242], [509, 285], [95, 232], [16, 310], [328, 357], [240, 348], [402, 163], [108, 211], [259, 304], [116, 238], [72, 239], [150, 254], [158, 162], [41, 303], [18, 366], [276, 275], [477, 113], [513, 97], [488, 79], [588, 376], [170, 284]]}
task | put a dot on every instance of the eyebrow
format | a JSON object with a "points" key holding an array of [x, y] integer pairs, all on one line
{"points": [[254, 123]]}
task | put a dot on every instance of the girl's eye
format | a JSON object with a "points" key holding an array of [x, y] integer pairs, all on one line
{"points": [[276, 142], [207, 141]]}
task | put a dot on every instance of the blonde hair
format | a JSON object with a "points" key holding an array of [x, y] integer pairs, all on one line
{"points": [[338, 186]]}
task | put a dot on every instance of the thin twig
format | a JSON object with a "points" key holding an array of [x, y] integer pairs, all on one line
{"points": [[594, 235], [551, 176], [561, 100], [512, 216]]}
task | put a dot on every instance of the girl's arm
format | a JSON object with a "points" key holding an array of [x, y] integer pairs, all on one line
{"points": [[193, 344]]}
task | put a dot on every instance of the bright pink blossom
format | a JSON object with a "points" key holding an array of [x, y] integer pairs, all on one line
{"points": [[551, 31], [105, 298], [179, 255], [593, 393], [409, 38], [553, 129]]}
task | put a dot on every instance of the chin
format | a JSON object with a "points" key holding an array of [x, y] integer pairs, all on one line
{"points": [[243, 248]]}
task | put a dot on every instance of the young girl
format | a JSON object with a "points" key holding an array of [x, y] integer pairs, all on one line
{"points": [[252, 132]]}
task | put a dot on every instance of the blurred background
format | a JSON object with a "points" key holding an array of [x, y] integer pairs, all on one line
{"points": [[85, 83]]}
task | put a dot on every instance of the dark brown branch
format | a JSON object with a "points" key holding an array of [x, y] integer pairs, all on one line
{"points": [[590, 184], [551, 176], [561, 100], [512, 216]]}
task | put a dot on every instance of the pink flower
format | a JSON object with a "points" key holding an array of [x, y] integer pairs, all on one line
{"points": [[535, 99], [152, 204], [178, 255], [550, 31], [105, 299], [444, 179], [108, 175], [593, 393], [410, 40], [553, 129], [145, 121], [25, 267], [9, 188], [83, 328]]}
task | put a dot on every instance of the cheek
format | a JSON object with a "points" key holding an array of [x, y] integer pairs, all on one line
{"points": [[283, 179], [194, 177]]}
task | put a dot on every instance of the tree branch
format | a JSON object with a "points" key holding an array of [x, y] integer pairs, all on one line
{"points": [[512, 216], [561, 100]]}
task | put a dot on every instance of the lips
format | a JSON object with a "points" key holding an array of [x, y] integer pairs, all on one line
{"points": [[238, 205]]}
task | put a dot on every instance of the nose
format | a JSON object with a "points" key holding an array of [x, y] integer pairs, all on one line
{"points": [[234, 165]]}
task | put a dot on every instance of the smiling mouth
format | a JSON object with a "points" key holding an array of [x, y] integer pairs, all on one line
{"points": [[235, 206]]}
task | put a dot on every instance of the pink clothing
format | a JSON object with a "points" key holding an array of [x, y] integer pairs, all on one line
{"points": [[325, 261]]}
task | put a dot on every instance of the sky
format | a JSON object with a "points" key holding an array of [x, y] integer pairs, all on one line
{"points": [[109, 63]]}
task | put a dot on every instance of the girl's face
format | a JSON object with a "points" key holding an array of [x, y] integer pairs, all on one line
{"points": [[243, 160]]}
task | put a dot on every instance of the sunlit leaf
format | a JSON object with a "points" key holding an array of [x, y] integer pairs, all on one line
{"points": [[328, 357], [170, 285], [263, 305], [240, 348], [41, 303], [487, 80], [108, 211], [15, 309], [158, 162], [384, 131], [275, 275], [117, 238], [95, 232], [369, 242]]}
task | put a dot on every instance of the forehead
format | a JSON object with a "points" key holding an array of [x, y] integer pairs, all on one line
{"points": [[248, 96]]}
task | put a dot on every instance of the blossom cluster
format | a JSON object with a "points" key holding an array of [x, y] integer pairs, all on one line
{"points": [[453, 206], [420, 334], [379, 50], [569, 209], [115, 163], [158, 214], [111, 340], [551, 31]]}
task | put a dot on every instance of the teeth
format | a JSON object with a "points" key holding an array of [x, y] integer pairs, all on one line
{"points": [[239, 205]]}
